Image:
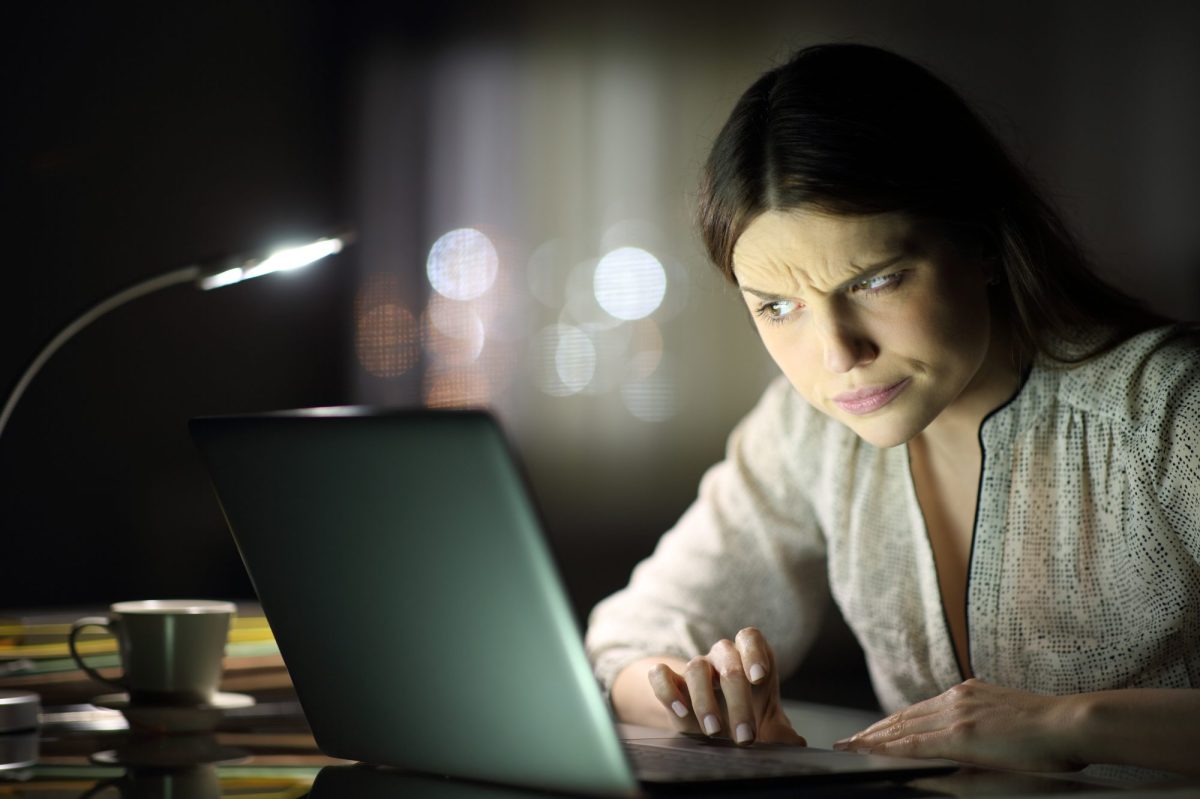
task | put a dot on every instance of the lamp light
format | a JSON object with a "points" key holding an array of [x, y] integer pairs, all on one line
{"points": [[208, 276]]}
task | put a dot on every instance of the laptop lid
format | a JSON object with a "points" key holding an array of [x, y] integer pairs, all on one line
{"points": [[401, 566]]}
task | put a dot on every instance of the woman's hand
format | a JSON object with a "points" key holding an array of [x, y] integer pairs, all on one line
{"points": [[732, 692], [983, 724]]}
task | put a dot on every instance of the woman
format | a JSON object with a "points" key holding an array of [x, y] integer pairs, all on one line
{"points": [[989, 458]]}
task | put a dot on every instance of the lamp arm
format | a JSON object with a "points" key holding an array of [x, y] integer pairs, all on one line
{"points": [[186, 275]]}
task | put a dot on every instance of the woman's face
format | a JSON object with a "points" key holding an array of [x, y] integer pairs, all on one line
{"points": [[879, 321]]}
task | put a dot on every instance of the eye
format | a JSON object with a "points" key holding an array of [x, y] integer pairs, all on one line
{"points": [[877, 284], [777, 310]]}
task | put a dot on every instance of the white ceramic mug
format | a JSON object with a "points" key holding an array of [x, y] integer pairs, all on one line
{"points": [[171, 649]]}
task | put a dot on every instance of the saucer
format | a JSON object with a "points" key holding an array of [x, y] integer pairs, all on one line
{"points": [[174, 719], [170, 752]]}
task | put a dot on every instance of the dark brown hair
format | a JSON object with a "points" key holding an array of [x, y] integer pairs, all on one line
{"points": [[852, 129]]}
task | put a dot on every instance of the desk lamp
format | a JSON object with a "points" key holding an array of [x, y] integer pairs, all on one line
{"points": [[215, 274]]}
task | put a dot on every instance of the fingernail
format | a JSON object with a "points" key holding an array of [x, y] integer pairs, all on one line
{"points": [[744, 733], [757, 672], [711, 725], [842, 744], [679, 709]]}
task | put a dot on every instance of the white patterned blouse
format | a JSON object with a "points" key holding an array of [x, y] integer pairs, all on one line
{"points": [[1084, 572]]}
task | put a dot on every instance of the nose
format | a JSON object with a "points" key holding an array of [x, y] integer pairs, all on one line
{"points": [[844, 344]]}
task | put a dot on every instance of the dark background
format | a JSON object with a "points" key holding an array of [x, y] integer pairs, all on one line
{"points": [[140, 139], [137, 142]]}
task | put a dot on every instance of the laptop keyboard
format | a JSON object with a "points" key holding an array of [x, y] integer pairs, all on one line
{"points": [[712, 763]]}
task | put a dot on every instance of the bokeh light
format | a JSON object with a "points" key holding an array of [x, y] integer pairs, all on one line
{"points": [[581, 307], [547, 272], [462, 264], [565, 359], [632, 233], [653, 398], [612, 355], [680, 280], [646, 347], [499, 363], [451, 331], [456, 388], [629, 283], [505, 309], [387, 339]]}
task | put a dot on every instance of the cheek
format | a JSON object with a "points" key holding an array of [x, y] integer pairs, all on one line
{"points": [[776, 346], [792, 356], [966, 282], [950, 322], [964, 326]]}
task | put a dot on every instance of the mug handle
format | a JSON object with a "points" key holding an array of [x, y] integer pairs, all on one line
{"points": [[92, 621]]}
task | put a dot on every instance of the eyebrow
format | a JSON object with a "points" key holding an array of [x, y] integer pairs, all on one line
{"points": [[863, 272]]}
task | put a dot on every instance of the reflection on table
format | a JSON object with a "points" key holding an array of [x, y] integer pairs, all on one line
{"points": [[266, 750], [263, 750]]}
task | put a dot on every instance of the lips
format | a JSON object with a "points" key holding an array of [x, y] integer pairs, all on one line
{"points": [[869, 398]]}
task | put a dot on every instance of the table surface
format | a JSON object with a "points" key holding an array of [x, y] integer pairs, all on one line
{"points": [[268, 751]]}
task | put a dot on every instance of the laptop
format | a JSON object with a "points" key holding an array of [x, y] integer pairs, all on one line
{"points": [[400, 563]]}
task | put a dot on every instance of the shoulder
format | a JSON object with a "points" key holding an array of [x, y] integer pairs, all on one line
{"points": [[782, 423], [1145, 381], [785, 453], [781, 408]]}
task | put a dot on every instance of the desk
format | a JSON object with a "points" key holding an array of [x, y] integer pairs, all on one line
{"points": [[272, 754], [266, 751]]}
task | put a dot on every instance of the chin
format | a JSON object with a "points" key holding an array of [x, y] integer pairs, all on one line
{"points": [[883, 441], [881, 433]]}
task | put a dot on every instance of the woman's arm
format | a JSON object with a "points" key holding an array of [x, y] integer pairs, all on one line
{"points": [[747, 552], [1152, 727], [988, 725]]}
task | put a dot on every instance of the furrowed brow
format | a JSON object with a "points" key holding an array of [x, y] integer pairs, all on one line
{"points": [[766, 296], [861, 273]]}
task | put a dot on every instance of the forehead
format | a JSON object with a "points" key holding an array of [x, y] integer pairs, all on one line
{"points": [[806, 248]]}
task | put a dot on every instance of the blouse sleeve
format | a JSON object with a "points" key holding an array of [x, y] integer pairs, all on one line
{"points": [[1166, 453], [748, 552]]}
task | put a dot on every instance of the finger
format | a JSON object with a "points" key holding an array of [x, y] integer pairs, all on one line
{"points": [[699, 677], [898, 729], [739, 703], [933, 713], [755, 654], [886, 723], [671, 691], [959, 698], [931, 706], [889, 721], [936, 743], [987, 736], [758, 662]]}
